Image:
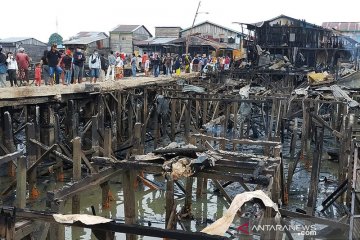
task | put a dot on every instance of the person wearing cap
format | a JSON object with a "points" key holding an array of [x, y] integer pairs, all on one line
{"points": [[54, 58], [23, 62], [78, 65], [3, 68]]}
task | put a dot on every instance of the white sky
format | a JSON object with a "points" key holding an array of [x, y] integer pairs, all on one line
{"points": [[37, 18]]}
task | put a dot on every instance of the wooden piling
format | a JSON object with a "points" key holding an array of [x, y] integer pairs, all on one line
{"points": [[31, 151], [9, 141], [76, 172], [129, 200], [315, 171], [107, 142], [173, 119], [169, 199], [21, 183]]}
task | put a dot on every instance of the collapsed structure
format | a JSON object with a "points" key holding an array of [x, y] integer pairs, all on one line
{"points": [[246, 135]]}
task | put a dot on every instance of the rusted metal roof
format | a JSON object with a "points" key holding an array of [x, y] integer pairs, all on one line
{"points": [[343, 26], [83, 38]]}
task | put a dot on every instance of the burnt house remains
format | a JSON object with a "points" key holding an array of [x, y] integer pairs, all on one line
{"points": [[301, 42]]}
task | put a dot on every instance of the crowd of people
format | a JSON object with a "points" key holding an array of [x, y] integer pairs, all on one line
{"points": [[68, 66]]}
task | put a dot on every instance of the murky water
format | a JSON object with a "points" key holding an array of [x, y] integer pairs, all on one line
{"points": [[150, 204]]}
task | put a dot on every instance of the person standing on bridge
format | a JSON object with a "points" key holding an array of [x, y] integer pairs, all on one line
{"points": [[133, 65], [78, 65], [95, 66], [54, 58], [111, 68], [23, 62], [3, 68]]}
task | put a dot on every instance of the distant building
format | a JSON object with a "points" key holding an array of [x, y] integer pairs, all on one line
{"points": [[89, 41], [350, 29], [204, 38], [122, 37], [33, 47], [215, 32], [294, 38]]}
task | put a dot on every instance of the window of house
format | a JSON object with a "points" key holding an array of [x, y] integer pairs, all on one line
{"points": [[222, 38], [123, 38]]}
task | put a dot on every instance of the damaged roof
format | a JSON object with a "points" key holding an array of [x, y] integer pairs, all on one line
{"points": [[84, 38], [211, 23], [129, 29], [155, 41], [304, 23], [343, 26]]}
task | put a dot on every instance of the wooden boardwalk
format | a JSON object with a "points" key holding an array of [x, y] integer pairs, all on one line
{"points": [[11, 96]]}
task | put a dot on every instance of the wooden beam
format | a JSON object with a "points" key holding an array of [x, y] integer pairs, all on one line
{"points": [[21, 183], [45, 148], [76, 172], [84, 184], [10, 157]]}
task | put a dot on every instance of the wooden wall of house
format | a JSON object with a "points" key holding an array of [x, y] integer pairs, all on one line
{"points": [[122, 42], [141, 34], [162, 32], [35, 52], [212, 30]]}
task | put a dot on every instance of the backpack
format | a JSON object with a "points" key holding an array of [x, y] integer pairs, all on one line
{"points": [[94, 59]]}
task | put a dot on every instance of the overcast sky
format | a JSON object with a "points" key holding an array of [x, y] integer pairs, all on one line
{"points": [[24, 18]]}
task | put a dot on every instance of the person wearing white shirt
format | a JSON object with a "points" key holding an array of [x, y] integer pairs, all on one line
{"points": [[12, 69], [95, 66]]}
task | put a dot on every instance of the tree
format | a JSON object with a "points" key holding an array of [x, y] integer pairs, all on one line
{"points": [[55, 38]]}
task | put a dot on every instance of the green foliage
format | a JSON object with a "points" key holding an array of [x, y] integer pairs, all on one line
{"points": [[55, 38]]}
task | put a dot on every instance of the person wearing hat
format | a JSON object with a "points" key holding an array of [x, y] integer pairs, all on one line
{"points": [[3, 68], [23, 62]]}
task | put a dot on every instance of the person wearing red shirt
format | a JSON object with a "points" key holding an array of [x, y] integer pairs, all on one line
{"points": [[23, 62], [38, 75], [143, 59]]}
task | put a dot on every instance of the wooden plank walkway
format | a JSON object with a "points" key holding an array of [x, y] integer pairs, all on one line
{"points": [[11, 96]]}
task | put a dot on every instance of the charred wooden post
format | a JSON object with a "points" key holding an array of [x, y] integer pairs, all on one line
{"points": [[47, 124], [129, 200], [188, 196], [199, 187], [72, 119], [105, 193], [169, 199], [95, 136], [31, 152], [173, 119], [21, 183], [76, 172], [37, 129], [156, 133], [59, 171], [57, 231], [187, 120], [119, 114], [9, 141], [292, 160], [101, 118], [107, 142], [131, 116], [315, 171]]}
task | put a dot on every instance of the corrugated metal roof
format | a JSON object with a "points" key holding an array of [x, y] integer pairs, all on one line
{"points": [[14, 39], [126, 28], [343, 26], [211, 23], [155, 41], [83, 38]]}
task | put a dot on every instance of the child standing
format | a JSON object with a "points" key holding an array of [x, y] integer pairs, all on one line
{"points": [[12, 68], [38, 74], [67, 61], [146, 67]]}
